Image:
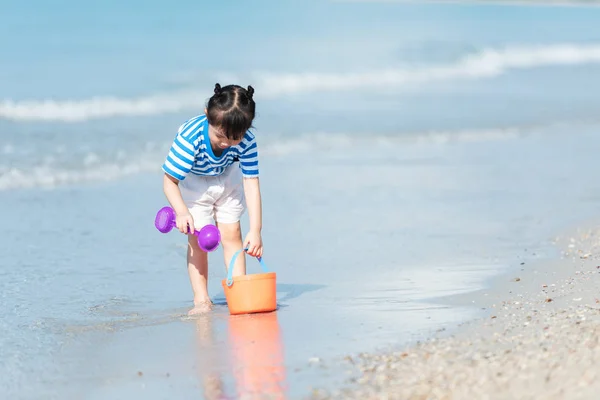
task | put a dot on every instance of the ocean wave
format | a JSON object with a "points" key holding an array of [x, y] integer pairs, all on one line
{"points": [[331, 141], [52, 176], [487, 63], [98, 107], [95, 168]]}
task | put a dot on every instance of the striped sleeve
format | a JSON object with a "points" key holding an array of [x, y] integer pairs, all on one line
{"points": [[182, 154], [249, 156]]}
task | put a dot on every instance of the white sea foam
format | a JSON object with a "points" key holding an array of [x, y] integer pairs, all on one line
{"points": [[487, 63], [98, 107], [53, 176], [95, 168]]}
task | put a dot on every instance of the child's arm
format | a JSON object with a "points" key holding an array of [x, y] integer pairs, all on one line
{"points": [[184, 218], [253, 240]]}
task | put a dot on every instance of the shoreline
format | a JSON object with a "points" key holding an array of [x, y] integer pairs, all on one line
{"points": [[539, 337]]}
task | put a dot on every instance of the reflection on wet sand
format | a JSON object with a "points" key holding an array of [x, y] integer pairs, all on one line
{"points": [[210, 364], [252, 355]]}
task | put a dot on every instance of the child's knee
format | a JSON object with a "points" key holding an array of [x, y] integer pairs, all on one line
{"points": [[193, 243], [231, 234]]}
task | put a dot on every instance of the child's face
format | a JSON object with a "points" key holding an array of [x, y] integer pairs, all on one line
{"points": [[219, 140]]}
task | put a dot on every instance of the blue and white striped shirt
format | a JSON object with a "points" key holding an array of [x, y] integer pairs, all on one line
{"points": [[191, 153]]}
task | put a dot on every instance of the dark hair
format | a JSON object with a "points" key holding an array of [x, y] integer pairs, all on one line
{"points": [[231, 109]]}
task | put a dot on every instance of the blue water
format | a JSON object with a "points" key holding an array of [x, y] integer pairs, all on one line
{"points": [[408, 152]]}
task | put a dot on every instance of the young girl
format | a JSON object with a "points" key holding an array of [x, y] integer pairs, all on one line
{"points": [[211, 173]]}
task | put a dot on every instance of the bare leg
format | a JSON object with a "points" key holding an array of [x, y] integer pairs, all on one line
{"points": [[231, 238], [198, 272]]}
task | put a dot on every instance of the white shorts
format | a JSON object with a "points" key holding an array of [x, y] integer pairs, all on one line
{"points": [[214, 198]]}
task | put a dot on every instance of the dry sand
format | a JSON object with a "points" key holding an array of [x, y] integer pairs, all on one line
{"points": [[540, 340]]}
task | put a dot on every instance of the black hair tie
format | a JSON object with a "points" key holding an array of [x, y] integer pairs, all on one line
{"points": [[217, 89]]}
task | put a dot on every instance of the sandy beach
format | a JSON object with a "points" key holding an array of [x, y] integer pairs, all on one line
{"points": [[539, 339]]}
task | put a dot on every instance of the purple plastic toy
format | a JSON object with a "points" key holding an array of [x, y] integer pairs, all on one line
{"points": [[209, 236]]}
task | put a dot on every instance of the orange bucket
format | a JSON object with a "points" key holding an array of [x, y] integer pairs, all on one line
{"points": [[250, 293]]}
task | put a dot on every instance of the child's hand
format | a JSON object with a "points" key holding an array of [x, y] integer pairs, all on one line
{"points": [[185, 223], [253, 242]]}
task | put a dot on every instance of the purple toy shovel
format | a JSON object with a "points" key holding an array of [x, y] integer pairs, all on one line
{"points": [[209, 236]]}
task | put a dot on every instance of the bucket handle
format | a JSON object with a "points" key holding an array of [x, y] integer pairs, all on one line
{"points": [[232, 263]]}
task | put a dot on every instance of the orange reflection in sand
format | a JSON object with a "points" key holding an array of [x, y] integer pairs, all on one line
{"points": [[257, 358]]}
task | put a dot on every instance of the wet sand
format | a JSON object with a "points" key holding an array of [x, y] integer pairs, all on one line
{"points": [[539, 339]]}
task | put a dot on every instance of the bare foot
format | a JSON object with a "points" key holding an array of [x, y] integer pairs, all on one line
{"points": [[201, 308]]}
